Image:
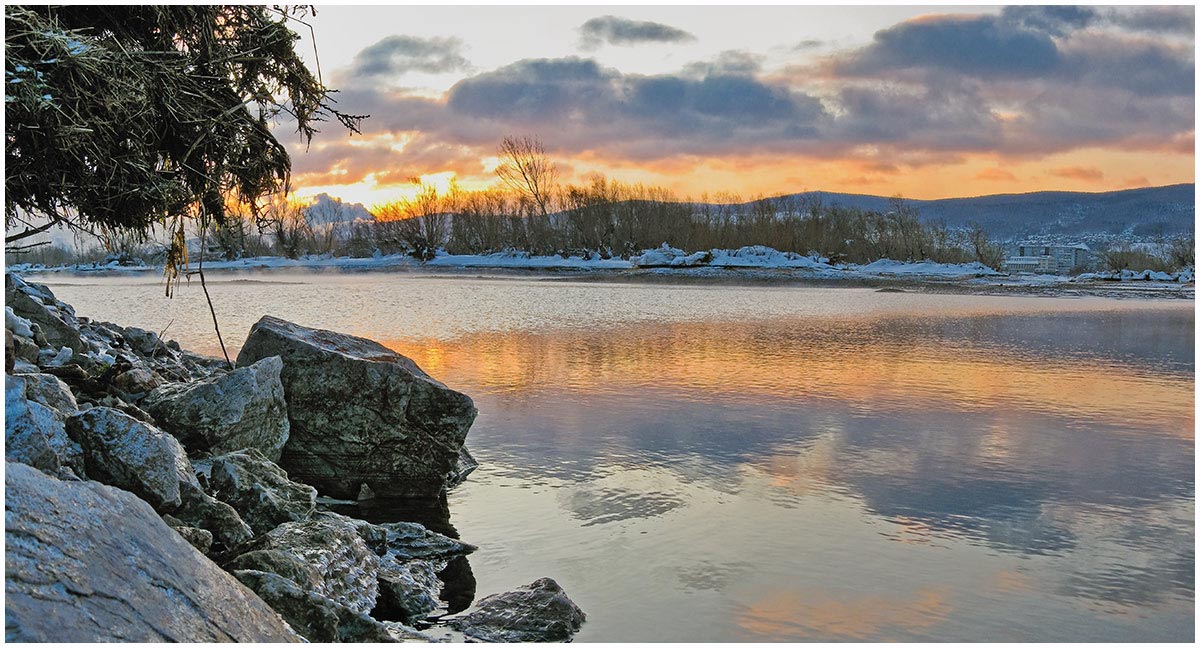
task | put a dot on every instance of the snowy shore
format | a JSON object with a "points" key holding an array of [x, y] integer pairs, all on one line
{"points": [[756, 261]]}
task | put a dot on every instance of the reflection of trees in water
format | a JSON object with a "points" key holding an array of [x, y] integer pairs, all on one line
{"points": [[434, 514]]}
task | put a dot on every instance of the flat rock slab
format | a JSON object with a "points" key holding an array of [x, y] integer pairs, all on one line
{"points": [[361, 413], [86, 562]]}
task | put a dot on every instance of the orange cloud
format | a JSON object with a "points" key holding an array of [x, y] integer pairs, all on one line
{"points": [[994, 174], [1087, 174]]}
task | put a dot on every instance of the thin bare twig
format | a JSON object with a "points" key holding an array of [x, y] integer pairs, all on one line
{"points": [[204, 286]]}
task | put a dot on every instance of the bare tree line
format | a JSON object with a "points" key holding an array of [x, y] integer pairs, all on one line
{"points": [[532, 212]]}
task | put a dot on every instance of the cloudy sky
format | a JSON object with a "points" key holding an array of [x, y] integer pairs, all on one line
{"points": [[924, 102]]}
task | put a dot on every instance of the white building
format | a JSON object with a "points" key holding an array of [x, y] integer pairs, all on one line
{"points": [[1048, 259]]}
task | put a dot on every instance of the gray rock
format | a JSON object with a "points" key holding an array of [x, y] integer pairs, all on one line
{"points": [[539, 611], [241, 409], [315, 617], [346, 568], [411, 541], [70, 575], [137, 381], [143, 342], [201, 510], [25, 349], [199, 538], [33, 433], [37, 304], [51, 392], [361, 413], [281, 563], [122, 451], [259, 490], [410, 558], [407, 591]]}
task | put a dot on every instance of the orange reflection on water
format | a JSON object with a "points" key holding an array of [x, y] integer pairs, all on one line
{"points": [[821, 613], [868, 367]]}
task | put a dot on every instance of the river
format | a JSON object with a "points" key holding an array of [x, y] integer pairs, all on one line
{"points": [[775, 463]]}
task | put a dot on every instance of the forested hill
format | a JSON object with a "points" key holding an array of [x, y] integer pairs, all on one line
{"points": [[1134, 212]]}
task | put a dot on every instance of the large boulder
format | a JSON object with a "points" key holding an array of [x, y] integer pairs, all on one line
{"points": [[258, 489], [70, 575], [241, 409], [539, 611], [362, 414], [34, 434], [122, 451]]}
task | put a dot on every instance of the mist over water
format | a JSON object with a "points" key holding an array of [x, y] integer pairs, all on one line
{"points": [[724, 463]]}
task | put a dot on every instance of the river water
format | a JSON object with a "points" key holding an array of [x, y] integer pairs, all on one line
{"points": [[769, 463]]}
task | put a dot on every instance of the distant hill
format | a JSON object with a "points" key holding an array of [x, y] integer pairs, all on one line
{"points": [[1134, 213]]}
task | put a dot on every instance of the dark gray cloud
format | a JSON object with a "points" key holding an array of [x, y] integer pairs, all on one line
{"points": [[613, 30], [1027, 82], [735, 62], [397, 55], [974, 45], [638, 115], [1023, 43], [1179, 21], [1056, 20], [1140, 66]]}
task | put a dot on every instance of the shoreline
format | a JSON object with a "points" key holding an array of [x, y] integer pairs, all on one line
{"points": [[574, 270]]}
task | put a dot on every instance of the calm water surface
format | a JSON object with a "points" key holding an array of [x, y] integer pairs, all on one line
{"points": [[717, 463]]}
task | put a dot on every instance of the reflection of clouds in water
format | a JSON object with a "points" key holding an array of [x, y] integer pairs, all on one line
{"points": [[1130, 558], [1002, 514], [824, 614]]}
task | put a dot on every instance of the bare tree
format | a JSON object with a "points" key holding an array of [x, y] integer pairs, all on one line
{"points": [[528, 170], [986, 251]]}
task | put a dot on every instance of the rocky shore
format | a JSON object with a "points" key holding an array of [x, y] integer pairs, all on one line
{"points": [[156, 495]]}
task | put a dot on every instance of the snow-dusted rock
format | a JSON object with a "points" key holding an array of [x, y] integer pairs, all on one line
{"points": [[345, 568], [316, 617], [761, 256], [361, 413], [17, 324], [407, 591], [34, 433], [241, 409], [36, 304], [410, 558], [888, 267], [539, 611], [51, 392], [122, 451], [258, 489], [669, 257], [69, 576]]}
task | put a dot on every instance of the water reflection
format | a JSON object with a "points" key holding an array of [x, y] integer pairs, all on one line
{"points": [[773, 464], [949, 433]]}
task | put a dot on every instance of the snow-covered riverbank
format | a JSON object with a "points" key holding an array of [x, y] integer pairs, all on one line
{"points": [[757, 261]]}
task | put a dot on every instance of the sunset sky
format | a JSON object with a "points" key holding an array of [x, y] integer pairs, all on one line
{"points": [[924, 102]]}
